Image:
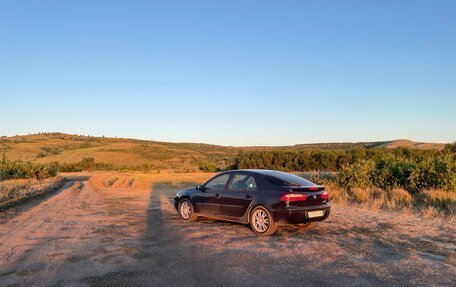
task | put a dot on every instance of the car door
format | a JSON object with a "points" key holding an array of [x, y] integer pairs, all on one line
{"points": [[238, 195], [209, 200]]}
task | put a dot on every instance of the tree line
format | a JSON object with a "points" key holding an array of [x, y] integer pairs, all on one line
{"points": [[411, 169]]}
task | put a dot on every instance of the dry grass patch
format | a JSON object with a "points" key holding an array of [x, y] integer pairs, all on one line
{"points": [[437, 202], [143, 181], [429, 203], [16, 191], [359, 195], [380, 198], [337, 194], [399, 197]]}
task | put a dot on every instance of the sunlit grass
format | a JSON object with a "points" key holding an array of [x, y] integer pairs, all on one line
{"points": [[13, 192], [143, 181]]}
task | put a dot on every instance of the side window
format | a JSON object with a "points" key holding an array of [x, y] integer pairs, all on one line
{"points": [[243, 182], [218, 183]]}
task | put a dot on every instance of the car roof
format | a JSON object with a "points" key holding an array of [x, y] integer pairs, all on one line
{"points": [[258, 171]]}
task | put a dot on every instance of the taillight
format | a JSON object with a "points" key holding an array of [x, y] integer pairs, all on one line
{"points": [[290, 197], [325, 196]]}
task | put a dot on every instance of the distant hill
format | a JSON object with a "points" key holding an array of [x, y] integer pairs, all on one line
{"points": [[66, 148], [411, 144]]}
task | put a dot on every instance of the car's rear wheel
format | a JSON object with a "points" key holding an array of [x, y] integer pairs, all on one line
{"points": [[262, 222], [186, 210]]}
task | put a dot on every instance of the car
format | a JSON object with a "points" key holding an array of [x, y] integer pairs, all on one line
{"points": [[264, 199]]}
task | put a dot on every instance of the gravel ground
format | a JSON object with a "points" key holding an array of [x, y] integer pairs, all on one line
{"points": [[132, 237]]}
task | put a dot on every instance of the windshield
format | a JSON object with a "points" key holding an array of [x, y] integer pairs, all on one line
{"points": [[287, 179]]}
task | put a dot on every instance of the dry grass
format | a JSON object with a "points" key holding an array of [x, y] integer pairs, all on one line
{"points": [[13, 192], [359, 195], [399, 198], [411, 144], [437, 202], [337, 194], [143, 181], [379, 198], [429, 203]]}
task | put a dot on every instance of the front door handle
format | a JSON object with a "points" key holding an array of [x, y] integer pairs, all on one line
{"points": [[217, 195], [248, 196]]}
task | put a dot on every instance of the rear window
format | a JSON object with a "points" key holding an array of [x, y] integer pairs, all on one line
{"points": [[286, 179]]}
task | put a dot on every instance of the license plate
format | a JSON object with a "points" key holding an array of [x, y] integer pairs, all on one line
{"points": [[316, 213]]}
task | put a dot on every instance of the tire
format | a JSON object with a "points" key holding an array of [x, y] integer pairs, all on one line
{"points": [[306, 226], [186, 210], [262, 222]]}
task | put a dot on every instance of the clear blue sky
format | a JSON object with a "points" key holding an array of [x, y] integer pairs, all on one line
{"points": [[230, 72]]}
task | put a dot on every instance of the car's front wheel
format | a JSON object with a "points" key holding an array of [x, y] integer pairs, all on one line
{"points": [[186, 210], [262, 222]]}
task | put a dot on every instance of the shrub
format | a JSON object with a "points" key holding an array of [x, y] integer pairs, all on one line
{"points": [[358, 174], [20, 169], [70, 167], [206, 166], [434, 173], [404, 168], [43, 171], [87, 163], [392, 172], [451, 148], [438, 172]]}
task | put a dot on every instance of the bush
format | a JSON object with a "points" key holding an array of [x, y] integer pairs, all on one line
{"points": [[438, 172], [20, 169], [359, 174], [434, 173], [207, 167], [89, 163], [451, 148]]}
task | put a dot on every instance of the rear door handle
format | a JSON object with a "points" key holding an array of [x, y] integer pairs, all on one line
{"points": [[217, 195], [247, 196]]}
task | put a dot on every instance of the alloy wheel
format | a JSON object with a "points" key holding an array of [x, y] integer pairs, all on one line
{"points": [[260, 220], [185, 210]]}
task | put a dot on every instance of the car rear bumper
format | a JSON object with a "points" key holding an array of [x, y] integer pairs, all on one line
{"points": [[296, 215]]}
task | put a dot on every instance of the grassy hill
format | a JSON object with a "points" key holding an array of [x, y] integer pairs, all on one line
{"points": [[411, 144], [123, 152]]}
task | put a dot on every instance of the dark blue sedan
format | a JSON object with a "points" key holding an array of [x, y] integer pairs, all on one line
{"points": [[262, 198]]}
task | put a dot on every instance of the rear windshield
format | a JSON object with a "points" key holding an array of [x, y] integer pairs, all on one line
{"points": [[286, 179]]}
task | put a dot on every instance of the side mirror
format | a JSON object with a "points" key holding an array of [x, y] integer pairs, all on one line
{"points": [[200, 187]]}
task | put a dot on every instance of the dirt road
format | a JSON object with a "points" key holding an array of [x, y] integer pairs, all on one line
{"points": [[127, 237]]}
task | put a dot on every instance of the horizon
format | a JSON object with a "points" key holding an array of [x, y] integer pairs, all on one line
{"points": [[206, 143], [230, 73]]}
